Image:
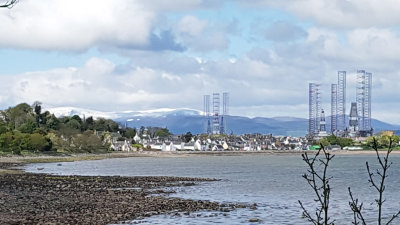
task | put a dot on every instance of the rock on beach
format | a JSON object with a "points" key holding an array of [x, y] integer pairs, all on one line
{"points": [[47, 199]]}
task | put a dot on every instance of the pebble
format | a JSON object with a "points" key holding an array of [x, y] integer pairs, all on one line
{"points": [[50, 199]]}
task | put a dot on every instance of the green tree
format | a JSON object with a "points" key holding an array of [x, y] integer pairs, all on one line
{"points": [[332, 139], [163, 132], [38, 142], [37, 107], [88, 142], [385, 140], [88, 123], [18, 115], [3, 127], [28, 127], [343, 142], [106, 125], [77, 118], [53, 123], [41, 131], [188, 136], [129, 132], [74, 124], [323, 142]]}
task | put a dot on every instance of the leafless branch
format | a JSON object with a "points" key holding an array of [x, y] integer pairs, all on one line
{"points": [[356, 208], [8, 4], [377, 182], [319, 182]]}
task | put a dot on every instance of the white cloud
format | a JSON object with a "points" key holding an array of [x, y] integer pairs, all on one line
{"points": [[74, 24], [202, 35], [340, 13], [191, 25]]}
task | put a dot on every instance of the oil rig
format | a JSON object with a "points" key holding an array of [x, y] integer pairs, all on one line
{"points": [[219, 120], [359, 117]]}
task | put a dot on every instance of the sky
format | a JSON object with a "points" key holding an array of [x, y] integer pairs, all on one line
{"points": [[114, 55]]}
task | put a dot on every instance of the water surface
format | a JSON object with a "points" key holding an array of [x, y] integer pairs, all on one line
{"points": [[273, 182]]}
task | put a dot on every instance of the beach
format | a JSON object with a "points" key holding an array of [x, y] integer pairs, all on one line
{"points": [[31, 198]]}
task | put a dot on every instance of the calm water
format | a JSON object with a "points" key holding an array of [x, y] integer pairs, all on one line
{"points": [[274, 182]]}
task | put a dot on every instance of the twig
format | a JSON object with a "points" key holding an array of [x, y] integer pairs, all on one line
{"points": [[9, 4], [319, 182], [377, 185]]}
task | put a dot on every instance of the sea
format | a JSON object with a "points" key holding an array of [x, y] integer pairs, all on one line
{"points": [[273, 182]]}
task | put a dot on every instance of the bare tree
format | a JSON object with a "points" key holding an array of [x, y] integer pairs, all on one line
{"points": [[378, 184], [8, 4], [318, 180]]}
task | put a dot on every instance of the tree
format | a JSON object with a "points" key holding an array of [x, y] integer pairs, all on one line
{"points": [[377, 183], [53, 122], [18, 115], [324, 142], [343, 142], [8, 4], [163, 133], [88, 123], [38, 142], [106, 125], [74, 124], [28, 127], [77, 118], [188, 136], [3, 127], [318, 180], [129, 132], [87, 142], [332, 139], [37, 107]]}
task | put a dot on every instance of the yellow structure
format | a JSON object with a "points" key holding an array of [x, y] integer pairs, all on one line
{"points": [[387, 133]]}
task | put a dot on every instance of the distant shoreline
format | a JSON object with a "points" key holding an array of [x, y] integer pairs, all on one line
{"points": [[88, 156]]}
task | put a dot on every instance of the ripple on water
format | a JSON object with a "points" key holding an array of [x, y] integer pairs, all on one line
{"points": [[274, 182]]}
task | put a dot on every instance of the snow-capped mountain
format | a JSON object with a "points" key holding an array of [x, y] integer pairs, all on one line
{"points": [[180, 121], [71, 111], [162, 112]]}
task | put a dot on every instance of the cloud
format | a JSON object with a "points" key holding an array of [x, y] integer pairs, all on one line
{"points": [[191, 25], [78, 25], [339, 13], [174, 59], [96, 85], [203, 35], [75, 25], [283, 32]]}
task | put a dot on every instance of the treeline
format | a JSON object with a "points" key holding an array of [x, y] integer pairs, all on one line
{"points": [[334, 140], [381, 142], [27, 128]]}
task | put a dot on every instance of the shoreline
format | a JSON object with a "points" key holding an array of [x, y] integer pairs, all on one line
{"points": [[43, 158], [19, 160], [31, 198]]}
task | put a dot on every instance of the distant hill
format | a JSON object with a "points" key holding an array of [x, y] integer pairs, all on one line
{"points": [[180, 121]]}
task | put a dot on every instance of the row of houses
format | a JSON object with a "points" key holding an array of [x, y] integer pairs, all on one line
{"points": [[248, 142]]}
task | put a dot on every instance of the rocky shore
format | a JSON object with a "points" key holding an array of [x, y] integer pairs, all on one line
{"points": [[46, 199]]}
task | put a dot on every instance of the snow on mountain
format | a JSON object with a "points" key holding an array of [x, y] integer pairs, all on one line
{"points": [[180, 121], [70, 111], [167, 111], [162, 112]]}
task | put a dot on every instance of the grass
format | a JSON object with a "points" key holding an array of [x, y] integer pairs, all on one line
{"points": [[5, 172], [73, 158]]}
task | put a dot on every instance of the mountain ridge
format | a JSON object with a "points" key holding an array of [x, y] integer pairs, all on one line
{"points": [[183, 120]]}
